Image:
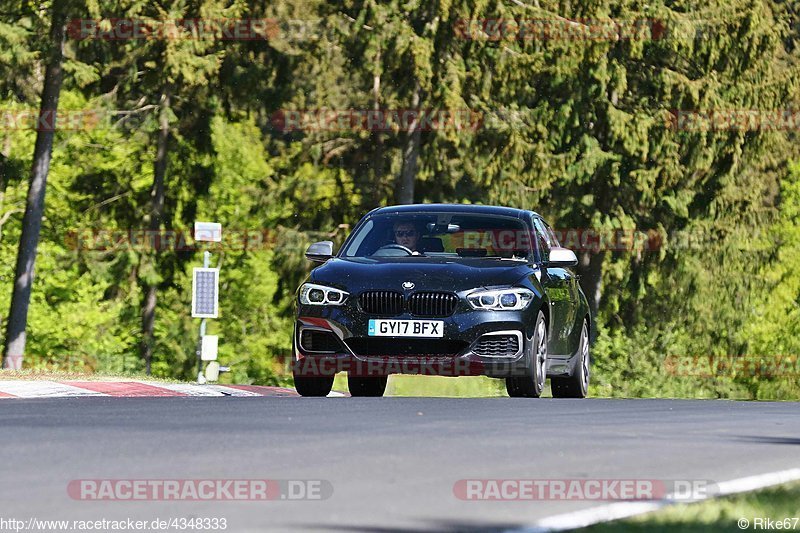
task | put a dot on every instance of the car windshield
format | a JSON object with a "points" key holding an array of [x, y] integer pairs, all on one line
{"points": [[455, 235]]}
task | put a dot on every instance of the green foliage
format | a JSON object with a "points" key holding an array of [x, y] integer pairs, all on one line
{"points": [[714, 514]]}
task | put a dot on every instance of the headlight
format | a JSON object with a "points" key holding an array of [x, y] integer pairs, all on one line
{"points": [[312, 294], [512, 299]]}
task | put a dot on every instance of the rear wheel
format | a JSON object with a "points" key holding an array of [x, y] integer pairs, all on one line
{"points": [[576, 385], [531, 383], [372, 386]]}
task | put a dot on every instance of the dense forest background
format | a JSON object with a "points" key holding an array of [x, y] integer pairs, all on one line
{"points": [[680, 134]]}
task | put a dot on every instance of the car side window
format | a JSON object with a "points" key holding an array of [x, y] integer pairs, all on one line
{"points": [[551, 235], [543, 242], [359, 239]]}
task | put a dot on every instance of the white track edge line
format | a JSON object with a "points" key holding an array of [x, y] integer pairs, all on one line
{"points": [[620, 510], [44, 389]]}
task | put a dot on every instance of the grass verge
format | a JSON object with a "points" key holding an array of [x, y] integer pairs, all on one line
{"points": [[779, 504]]}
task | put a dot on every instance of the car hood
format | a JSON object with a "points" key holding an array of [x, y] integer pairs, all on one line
{"points": [[357, 274]]}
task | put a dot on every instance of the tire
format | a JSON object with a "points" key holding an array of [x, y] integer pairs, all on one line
{"points": [[576, 385], [313, 386], [531, 383], [374, 386]]}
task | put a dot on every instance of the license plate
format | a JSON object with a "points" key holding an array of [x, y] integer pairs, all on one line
{"points": [[405, 328]]}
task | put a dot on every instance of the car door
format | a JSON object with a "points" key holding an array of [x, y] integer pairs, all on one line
{"points": [[570, 334], [556, 283]]}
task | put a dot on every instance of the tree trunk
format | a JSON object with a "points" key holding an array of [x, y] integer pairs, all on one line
{"points": [[404, 194], [590, 269], [34, 207], [155, 216], [377, 162]]}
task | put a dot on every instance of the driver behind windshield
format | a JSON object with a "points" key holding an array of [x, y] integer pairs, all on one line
{"points": [[406, 234]]}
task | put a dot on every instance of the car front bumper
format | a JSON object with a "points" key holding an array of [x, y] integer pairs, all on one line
{"points": [[456, 353]]}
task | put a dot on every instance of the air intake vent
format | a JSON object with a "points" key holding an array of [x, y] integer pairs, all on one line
{"points": [[312, 340], [497, 345], [386, 303], [439, 304]]}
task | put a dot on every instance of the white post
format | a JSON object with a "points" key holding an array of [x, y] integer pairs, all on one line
{"points": [[200, 377], [210, 232]]}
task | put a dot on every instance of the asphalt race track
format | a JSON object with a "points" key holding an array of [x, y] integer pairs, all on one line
{"points": [[392, 463]]}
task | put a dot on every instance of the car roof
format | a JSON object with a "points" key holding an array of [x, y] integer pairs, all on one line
{"points": [[453, 208]]}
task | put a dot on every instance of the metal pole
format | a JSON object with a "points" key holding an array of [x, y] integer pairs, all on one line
{"points": [[206, 262]]}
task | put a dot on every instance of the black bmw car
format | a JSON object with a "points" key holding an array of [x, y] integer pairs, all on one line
{"points": [[444, 289]]}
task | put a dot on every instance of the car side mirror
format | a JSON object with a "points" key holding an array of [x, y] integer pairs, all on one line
{"points": [[319, 252], [562, 257]]}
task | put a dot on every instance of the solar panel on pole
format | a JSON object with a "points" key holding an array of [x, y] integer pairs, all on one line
{"points": [[205, 292]]}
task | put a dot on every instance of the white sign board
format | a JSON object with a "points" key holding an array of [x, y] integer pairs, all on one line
{"points": [[208, 348], [208, 231], [205, 292]]}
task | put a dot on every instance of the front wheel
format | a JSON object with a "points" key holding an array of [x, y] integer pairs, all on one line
{"points": [[372, 386], [311, 385], [531, 383], [576, 385]]}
